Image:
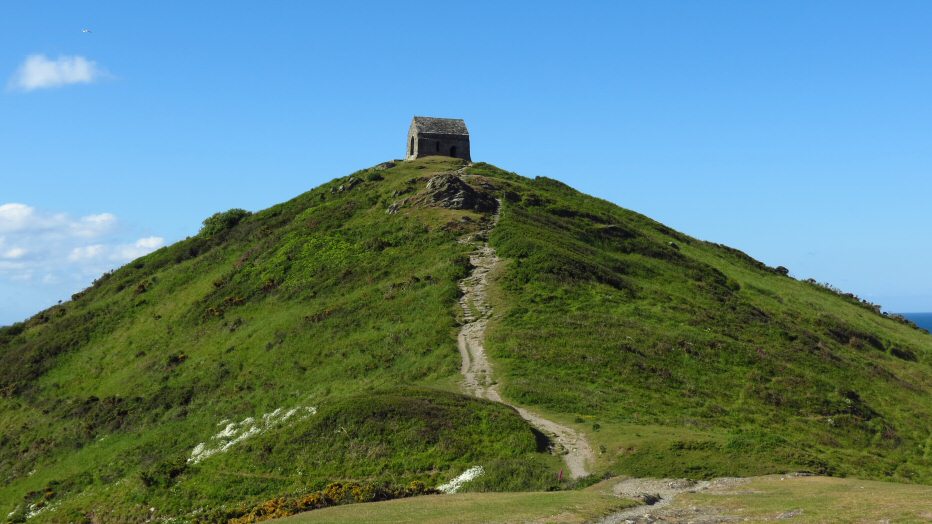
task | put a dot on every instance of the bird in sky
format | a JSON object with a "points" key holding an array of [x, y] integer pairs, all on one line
{"points": [[86, 30]]}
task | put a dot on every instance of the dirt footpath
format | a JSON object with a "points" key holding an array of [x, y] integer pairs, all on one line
{"points": [[657, 494], [476, 368]]}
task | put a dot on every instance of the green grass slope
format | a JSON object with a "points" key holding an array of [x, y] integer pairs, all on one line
{"points": [[324, 302], [315, 342], [688, 358]]}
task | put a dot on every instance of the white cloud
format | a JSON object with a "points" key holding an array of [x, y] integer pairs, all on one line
{"points": [[61, 253], [116, 253], [40, 72], [25, 220], [141, 247], [14, 217], [93, 225], [86, 252], [13, 253], [150, 242]]}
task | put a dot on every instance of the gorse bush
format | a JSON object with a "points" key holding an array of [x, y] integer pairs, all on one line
{"points": [[334, 494]]}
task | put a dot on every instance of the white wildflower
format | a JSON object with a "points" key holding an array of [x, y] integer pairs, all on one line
{"points": [[35, 510], [235, 432], [467, 476]]}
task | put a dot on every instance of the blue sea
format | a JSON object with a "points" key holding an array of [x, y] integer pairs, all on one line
{"points": [[923, 320]]}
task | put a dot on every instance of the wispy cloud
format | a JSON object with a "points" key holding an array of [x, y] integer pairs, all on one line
{"points": [[141, 247], [14, 217], [13, 253], [117, 252], [40, 72], [20, 218], [56, 248], [92, 252]]}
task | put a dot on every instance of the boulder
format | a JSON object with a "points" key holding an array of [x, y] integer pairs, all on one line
{"points": [[449, 191]]}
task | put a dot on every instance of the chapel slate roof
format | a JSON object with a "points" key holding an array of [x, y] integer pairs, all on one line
{"points": [[440, 126]]}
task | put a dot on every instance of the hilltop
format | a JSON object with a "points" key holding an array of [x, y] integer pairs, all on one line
{"points": [[315, 342]]}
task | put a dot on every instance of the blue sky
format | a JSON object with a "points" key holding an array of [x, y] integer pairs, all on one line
{"points": [[799, 132]]}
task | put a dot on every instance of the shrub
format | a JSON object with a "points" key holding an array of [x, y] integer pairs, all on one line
{"points": [[904, 354], [164, 473], [175, 359], [13, 330], [219, 222], [334, 494]]}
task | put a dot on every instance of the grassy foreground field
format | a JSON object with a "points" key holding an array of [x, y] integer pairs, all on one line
{"points": [[818, 499], [467, 508], [761, 499]]}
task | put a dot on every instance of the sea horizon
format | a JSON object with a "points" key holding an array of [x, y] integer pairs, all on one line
{"points": [[923, 320]]}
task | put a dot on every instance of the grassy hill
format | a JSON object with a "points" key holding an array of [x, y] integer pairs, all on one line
{"points": [[734, 367], [315, 342]]}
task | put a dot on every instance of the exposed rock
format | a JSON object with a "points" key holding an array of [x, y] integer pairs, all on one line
{"points": [[352, 182], [451, 192], [447, 190], [346, 186], [385, 165], [650, 498]]}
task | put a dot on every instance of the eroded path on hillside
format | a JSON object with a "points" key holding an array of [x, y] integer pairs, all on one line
{"points": [[476, 368]]}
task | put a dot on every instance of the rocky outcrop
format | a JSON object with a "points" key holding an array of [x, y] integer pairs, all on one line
{"points": [[350, 183], [451, 192]]}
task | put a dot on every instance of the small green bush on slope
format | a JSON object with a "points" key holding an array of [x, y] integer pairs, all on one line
{"points": [[611, 317], [222, 221]]}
